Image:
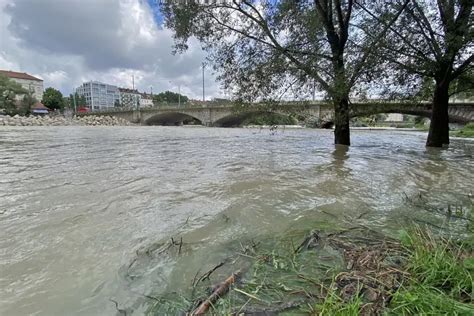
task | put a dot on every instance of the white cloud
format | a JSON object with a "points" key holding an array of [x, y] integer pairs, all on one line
{"points": [[68, 42]]}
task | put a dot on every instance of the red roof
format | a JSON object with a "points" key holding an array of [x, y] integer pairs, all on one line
{"points": [[18, 75]]}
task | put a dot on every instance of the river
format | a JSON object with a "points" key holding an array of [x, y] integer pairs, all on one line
{"points": [[76, 203]]}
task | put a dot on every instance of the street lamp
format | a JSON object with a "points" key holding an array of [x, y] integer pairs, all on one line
{"points": [[203, 91]]}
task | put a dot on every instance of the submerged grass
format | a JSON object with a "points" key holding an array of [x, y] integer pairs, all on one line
{"points": [[352, 272]]}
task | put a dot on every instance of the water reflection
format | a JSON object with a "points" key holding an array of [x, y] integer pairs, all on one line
{"points": [[339, 156]]}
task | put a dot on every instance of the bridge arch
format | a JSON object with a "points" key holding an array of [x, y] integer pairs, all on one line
{"points": [[426, 114], [457, 114], [238, 118], [171, 119]]}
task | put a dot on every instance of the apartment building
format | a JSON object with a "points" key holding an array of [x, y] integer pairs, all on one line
{"points": [[99, 95], [28, 82], [146, 100], [129, 97]]}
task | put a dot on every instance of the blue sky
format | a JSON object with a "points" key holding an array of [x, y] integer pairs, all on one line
{"points": [[155, 7]]}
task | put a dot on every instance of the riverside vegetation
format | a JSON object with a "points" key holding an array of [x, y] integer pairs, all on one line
{"points": [[322, 271], [467, 131], [355, 271]]}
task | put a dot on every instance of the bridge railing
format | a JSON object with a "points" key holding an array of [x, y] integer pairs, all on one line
{"points": [[210, 104]]}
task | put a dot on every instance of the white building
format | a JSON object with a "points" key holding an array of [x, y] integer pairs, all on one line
{"points": [[99, 95], [28, 82], [394, 117], [146, 100], [129, 97]]}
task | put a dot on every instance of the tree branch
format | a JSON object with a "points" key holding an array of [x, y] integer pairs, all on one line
{"points": [[274, 43], [464, 66], [406, 41], [361, 63]]}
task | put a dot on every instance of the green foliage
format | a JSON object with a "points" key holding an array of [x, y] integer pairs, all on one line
{"points": [[334, 305], [9, 90], [26, 104], [169, 97], [441, 281], [437, 264], [74, 100], [463, 86], [419, 55], [268, 50], [467, 131], [67, 102], [269, 119], [53, 99], [82, 101], [425, 300]]}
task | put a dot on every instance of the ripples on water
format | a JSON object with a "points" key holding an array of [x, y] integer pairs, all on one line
{"points": [[77, 202]]}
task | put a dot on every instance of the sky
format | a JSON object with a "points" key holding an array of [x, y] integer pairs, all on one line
{"points": [[67, 42]]}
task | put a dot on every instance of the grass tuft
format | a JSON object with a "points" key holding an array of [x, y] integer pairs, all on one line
{"points": [[424, 300], [441, 279], [334, 305], [438, 264]]}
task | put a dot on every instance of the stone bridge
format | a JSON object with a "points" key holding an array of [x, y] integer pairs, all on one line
{"points": [[227, 115]]}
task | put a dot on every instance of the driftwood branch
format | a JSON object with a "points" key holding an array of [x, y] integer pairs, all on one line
{"points": [[218, 292], [207, 274]]}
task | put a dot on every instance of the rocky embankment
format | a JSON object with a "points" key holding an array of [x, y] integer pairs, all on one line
{"points": [[62, 121]]}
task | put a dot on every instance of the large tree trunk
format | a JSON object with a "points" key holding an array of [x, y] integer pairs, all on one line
{"points": [[341, 122], [439, 127]]}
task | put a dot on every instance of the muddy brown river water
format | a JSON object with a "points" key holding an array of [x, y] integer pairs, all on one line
{"points": [[77, 202]]}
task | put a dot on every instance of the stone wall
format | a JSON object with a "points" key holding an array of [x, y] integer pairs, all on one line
{"points": [[62, 121]]}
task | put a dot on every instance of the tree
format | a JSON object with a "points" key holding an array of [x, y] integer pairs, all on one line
{"points": [[26, 104], [68, 102], [169, 97], [262, 49], [80, 100], [53, 99], [433, 40], [9, 90]]}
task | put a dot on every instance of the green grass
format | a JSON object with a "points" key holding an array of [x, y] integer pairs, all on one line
{"points": [[441, 278], [439, 281], [422, 127], [425, 300], [467, 131], [334, 305]]}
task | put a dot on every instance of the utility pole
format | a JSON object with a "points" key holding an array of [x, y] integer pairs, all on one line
{"points": [[133, 82], [179, 95], [75, 104], [203, 91]]}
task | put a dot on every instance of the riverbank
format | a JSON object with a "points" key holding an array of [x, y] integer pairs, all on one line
{"points": [[356, 271], [59, 120], [466, 132]]}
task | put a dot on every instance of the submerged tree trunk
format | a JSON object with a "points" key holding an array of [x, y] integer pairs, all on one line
{"points": [[341, 122], [439, 127]]}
